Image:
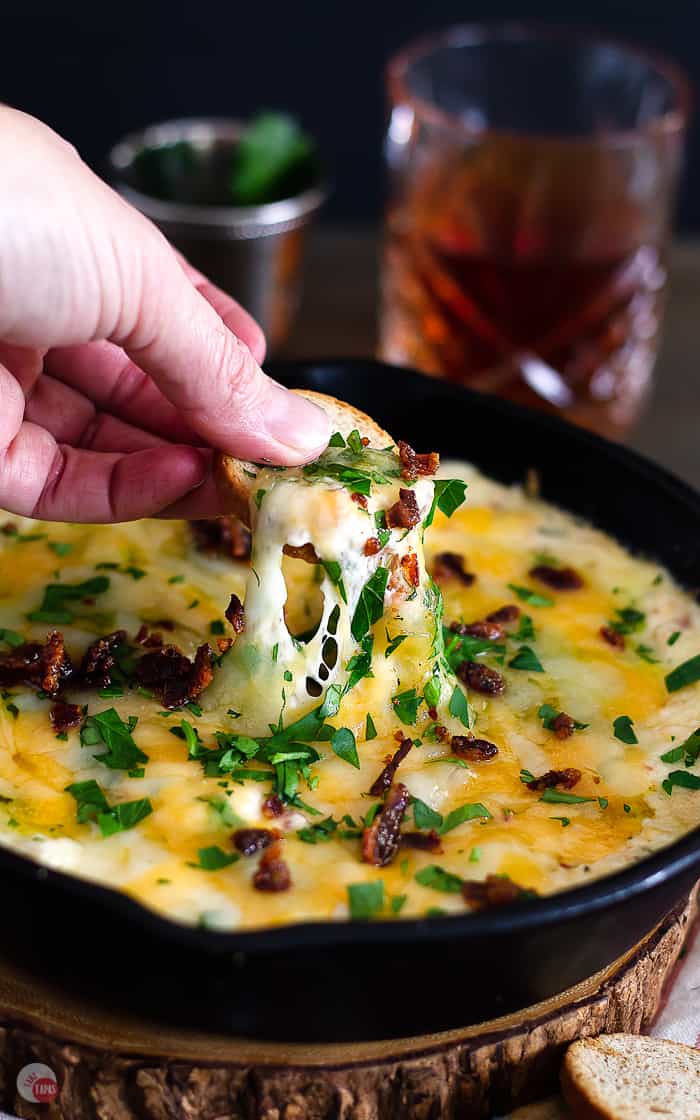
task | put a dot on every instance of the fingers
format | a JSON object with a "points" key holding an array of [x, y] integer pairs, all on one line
{"points": [[42, 478], [232, 314], [212, 377]]}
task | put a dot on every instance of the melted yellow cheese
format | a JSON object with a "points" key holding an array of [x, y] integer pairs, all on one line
{"points": [[155, 574]]}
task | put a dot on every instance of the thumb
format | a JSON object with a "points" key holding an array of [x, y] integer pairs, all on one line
{"points": [[210, 375]]}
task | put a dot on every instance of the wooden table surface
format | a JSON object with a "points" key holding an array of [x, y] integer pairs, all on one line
{"points": [[338, 316]]}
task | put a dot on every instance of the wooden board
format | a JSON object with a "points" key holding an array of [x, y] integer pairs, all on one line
{"points": [[115, 1068]]}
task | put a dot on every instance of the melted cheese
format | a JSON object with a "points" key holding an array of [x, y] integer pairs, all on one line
{"points": [[500, 532]]}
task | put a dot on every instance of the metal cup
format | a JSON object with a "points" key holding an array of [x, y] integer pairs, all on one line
{"points": [[252, 252]]}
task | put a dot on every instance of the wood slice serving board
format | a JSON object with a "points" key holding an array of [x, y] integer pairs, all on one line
{"points": [[111, 1067]]}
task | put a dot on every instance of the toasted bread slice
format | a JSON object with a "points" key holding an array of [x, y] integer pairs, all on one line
{"points": [[631, 1077], [237, 479]]}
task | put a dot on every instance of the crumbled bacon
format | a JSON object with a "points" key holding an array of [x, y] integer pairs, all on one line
{"points": [[305, 552], [612, 637], [149, 638], [567, 779], [272, 806], [248, 841], [450, 565], [44, 666], [410, 569], [414, 465], [509, 613], [359, 498], [405, 513], [234, 613], [99, 659], [380, 842], [65, 716], [484, 628], [421, 841], [173, 676], [273, 873], [372, 546], [495, 890], [225, 536], [475, 750], [563, 725], [224, 644], [480, 678], [561, 579], [386, 777]]}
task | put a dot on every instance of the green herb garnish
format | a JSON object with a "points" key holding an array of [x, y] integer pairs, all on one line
{"points": [[623, 729], [688, 672], [438, 879], [365, 900], [526, 659], [527, 595]]}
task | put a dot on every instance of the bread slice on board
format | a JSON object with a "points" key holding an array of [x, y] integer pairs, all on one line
{"points": [[631, 1077], [237, 479]]}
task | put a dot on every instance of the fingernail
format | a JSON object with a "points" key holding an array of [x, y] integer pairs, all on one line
{"points": [[296, 423]]}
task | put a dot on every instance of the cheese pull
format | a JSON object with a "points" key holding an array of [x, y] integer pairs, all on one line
{"points": [[343, 537]]}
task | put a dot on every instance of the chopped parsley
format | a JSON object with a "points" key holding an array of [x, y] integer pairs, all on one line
{"points": [[527, 595], [438, 879], [526, 659], [406, 705], [53, 607], [11, 637], [548, 714], [214, 859], [110, 730], [343, 744], [61, 548], [671, 641], [564, 821], [360, 664], [333, 570], [526, 629], [458, 706], [425, 817], [628, 620], [370, 605], [318, 833], [393, 643], [464, 813], [258, 497], [646, 653], [623, 729], [370, 729], [688, 672], [93, 806], [448, 495], [365, 900], [217, 627], [689, 750], [682, 778], [559, 797]]}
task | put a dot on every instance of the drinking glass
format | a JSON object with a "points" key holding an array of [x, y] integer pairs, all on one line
{"points": [[532, 174]]}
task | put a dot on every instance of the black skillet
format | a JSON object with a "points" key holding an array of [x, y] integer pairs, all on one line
{"points": [[341, 981]]}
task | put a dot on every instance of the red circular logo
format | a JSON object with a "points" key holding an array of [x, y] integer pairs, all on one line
{"points": [[38, 1083]]}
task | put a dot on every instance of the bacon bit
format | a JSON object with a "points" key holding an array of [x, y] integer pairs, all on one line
{"points": [[45, 667], [272, 806], [248, 841], [421, 841], [561, 579], [173, 676], [305, 552], [405, 513], [617, 641], [495, 890], [359, 498], [441, 733], [475, 750], [563, 726], [567, 779], [386, 777], [485, 628], [364, 441], [224, 644], [509, 613], [146, 637], [414, 465], [166, 623], [480, 678], [234, 613], [56, 665], [99, 660], [372, 546], [10, 529], [380, 842], [409, 567], [450, 565], [65, 716], [225, 536], [273, 873]]}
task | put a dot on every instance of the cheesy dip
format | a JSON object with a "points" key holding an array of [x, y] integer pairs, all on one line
{"points": [[412, 695]]}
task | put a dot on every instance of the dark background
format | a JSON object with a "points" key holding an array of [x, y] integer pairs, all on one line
{"points": [[94, 71]]}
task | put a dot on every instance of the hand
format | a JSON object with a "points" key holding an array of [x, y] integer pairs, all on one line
{"points": [[120, 366]]}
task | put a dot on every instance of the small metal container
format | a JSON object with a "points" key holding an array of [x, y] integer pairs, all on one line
{"points": [[252, 252]]}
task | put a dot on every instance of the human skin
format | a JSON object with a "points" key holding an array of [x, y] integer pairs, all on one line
{"points": [[121, 367]]}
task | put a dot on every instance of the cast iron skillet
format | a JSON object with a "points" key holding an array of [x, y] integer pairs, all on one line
{"points": [[342, 981]]}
